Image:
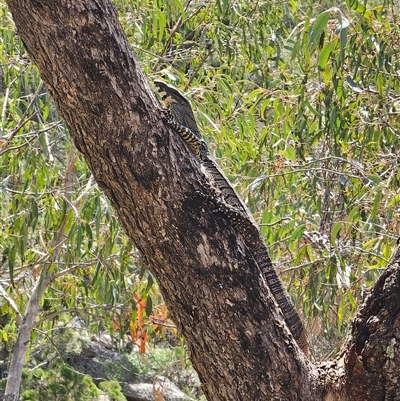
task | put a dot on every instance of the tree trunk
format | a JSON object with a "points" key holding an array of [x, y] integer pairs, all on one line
{"points": [[238, 341]]}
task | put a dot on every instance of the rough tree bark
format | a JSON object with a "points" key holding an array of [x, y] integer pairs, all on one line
{"points": [[238, 341]]}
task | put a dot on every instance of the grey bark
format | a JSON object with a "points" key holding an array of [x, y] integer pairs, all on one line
{"points": [[238, 341]]}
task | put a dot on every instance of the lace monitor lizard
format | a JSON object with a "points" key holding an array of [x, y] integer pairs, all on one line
{"points": [[178, 114]]}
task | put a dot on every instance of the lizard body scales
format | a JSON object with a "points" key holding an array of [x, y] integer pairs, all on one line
{"points": [[179, 115]]}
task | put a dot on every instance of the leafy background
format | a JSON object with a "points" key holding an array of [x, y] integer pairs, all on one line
{"points": [[299, 102]]}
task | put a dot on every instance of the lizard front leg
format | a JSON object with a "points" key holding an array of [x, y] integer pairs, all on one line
{"points": [[196, 145]]}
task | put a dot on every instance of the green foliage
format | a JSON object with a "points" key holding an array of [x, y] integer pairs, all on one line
{"points": [[113, 390], [71, 347], [171, 362], [61, 384], [160, 361]]}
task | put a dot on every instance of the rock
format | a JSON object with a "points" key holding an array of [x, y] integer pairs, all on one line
{"points": [[104, 397], [163, 387]]}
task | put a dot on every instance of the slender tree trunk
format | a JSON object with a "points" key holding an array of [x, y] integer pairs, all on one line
{"points": [[27, 322], [24, 333], [238, 341]]}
